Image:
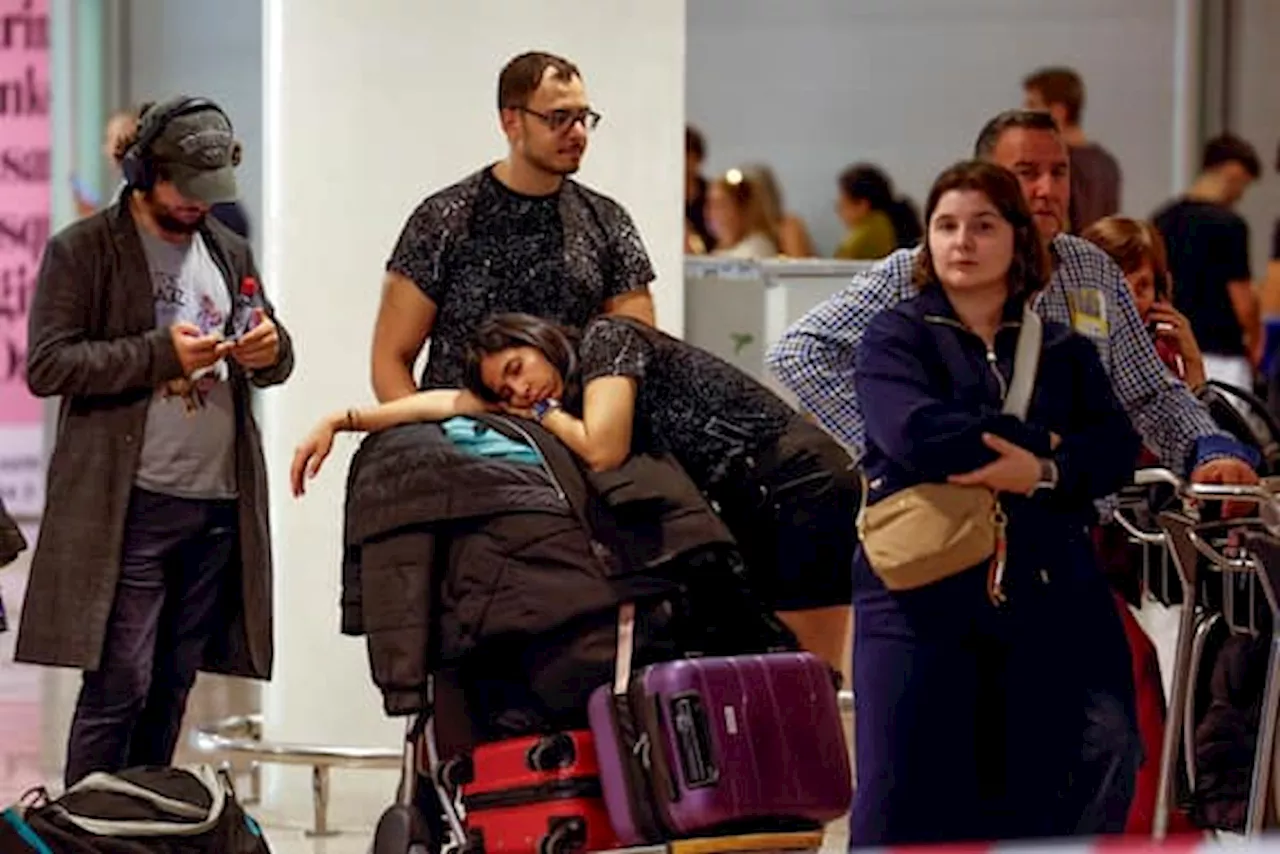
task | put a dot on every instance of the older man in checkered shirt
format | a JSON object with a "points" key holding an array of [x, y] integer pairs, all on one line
{"points": [[816, 359]]}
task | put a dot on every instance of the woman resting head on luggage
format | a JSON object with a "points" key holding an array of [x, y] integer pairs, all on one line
{"points": [[785, 489], [985, 637]]}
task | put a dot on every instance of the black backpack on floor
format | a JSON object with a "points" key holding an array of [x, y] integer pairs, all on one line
{"points": [[138, 811]]}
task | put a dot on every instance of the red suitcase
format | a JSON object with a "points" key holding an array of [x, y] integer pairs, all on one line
{"points": [[534, 795]]}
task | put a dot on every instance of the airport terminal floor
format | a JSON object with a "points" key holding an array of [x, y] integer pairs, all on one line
{"points": [[27, 716]]}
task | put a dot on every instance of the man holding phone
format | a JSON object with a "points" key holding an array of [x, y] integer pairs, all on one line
{"points": [[153, 560]]}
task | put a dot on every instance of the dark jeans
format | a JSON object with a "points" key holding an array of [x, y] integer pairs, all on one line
{"points": [[173, 572], [977, 724]]}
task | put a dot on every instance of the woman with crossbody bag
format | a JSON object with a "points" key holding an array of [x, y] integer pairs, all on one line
{"points": [[983, 627]]}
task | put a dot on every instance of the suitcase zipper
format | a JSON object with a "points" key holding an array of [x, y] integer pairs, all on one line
{"points": [[553, 790], [555, 481]]}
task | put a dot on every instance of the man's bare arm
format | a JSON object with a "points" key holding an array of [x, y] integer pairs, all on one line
{"points": [[633, 304], [406, 317], [1244, 302]]}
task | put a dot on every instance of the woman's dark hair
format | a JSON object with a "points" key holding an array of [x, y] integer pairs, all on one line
{"points": [[864, 182], [1029, 270], [504, 331], [906, 222]]}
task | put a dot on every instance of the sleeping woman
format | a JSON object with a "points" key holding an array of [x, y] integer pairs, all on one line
{"points": [[786, 490]]}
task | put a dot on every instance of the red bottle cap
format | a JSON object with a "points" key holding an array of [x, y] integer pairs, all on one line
{"points": [[248, 286]]}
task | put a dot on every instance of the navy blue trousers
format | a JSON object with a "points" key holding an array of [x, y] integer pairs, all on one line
{"points": [[982, 723]]}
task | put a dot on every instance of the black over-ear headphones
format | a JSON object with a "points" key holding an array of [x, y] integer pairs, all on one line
{"points": [[137, 165]]}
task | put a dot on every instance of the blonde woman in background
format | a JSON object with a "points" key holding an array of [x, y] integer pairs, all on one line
{"points": [[793, 235], [737, 220]]}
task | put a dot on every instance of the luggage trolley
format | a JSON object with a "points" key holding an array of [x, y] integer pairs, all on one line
{"points": [[1220, 567], [404, 829]]}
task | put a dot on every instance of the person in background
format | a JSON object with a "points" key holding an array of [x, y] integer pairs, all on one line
{"points": [[816, 358], [697, 238], [517, 235], [793, 236], [783, 487], [737, 218], [878, 222], [119, 129], [1095, 173], [1208, 246], [1269, 297], [154, 554], [1137, 247]]}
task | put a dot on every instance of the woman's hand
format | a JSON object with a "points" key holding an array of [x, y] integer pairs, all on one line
{"points": [[1016, 470], [311, 454], [1173, 324]]}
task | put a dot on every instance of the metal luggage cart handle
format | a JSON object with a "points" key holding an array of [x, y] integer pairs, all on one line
{"points": [[1184, 537]]}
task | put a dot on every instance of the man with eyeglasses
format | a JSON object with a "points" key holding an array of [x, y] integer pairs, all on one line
{"points": [[518, 235]]}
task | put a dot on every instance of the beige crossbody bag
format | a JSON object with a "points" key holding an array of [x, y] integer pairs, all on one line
{"points": [[931, 531]]}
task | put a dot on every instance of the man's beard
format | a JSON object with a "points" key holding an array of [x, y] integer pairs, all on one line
{"points": [[170, 223], [546, 164]]}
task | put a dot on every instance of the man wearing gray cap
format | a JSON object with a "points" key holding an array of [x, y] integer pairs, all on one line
{"points": [[153, 559]]}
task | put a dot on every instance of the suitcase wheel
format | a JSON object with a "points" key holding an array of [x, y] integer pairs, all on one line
{"points": [[474, 843], [567, 835], [401, 831], [551, 752], [457, 772]]}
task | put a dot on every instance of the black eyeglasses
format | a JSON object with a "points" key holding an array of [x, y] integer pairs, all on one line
{"points": [[561, 120]]}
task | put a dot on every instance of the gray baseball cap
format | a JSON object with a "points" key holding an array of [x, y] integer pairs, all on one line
{"points": [[198, 151]]}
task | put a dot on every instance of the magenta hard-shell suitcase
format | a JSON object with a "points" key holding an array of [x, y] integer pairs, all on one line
{"points": [[720, 745]]}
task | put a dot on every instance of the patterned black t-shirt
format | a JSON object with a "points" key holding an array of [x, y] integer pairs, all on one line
{"points": [[479, 248], [701, 409]]}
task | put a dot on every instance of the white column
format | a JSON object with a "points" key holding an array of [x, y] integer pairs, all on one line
{"points": [[369, 108], [1187, 95]]}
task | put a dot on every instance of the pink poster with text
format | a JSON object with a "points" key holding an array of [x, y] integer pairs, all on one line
{"points": [[25, 201]]}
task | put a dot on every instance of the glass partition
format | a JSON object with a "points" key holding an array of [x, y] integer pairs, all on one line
{"points": [[738, 308]]}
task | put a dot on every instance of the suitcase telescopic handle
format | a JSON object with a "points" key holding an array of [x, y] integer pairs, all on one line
{"points": [[626, 648]]}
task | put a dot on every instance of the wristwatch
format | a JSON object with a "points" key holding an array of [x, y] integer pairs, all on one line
{"points": [[1048, 476], [542, 407]]}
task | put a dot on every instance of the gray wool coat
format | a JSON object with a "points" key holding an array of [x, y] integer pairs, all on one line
{"points": [[93, 341]]}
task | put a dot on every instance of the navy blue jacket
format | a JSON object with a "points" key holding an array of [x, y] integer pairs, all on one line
{"points": [[929, 389]]}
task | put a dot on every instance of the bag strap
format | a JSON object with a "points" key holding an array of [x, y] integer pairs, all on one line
{"points": [[201, 820], [1026, 362], [626, 648]]}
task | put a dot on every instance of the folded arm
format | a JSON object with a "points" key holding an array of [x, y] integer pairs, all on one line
{"points": [[62, 358], [602, 437], [912, 422], [435, 405], [1097, 454]]}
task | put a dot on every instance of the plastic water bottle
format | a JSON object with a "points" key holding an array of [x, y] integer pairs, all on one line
{"points": [[249, 298]]}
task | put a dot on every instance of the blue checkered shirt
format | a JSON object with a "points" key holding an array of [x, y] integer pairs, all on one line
{"points": [[817, 357]]}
